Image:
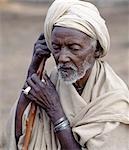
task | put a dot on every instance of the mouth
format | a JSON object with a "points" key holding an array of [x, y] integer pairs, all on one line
{"points": [[67, 73], [65, 69]]}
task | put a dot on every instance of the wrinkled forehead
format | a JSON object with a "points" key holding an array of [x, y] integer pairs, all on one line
{"points": [[59, 31]]}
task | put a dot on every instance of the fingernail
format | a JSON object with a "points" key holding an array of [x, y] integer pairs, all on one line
{"points": [[44, 72]]}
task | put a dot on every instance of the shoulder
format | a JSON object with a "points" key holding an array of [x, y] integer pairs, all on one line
{"points": [[110, 77]]}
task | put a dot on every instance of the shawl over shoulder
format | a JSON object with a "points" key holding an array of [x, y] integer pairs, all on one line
{"points": [[99, 118]]}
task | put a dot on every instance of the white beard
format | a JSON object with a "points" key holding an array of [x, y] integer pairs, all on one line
{"points": [[74, 73]]}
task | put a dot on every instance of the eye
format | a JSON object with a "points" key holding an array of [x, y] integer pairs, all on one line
{"points": [[56, 48], [75, 47]]}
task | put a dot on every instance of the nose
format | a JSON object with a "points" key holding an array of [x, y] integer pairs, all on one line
{"points": [[64, 56]]}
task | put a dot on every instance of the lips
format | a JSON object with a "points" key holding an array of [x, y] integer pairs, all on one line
{"points": [[65, 69], [67, 73]]}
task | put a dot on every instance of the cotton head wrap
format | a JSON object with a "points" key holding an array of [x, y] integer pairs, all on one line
{"points": [[79, 15]]}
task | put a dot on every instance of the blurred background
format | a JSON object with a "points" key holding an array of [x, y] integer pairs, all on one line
{"points": [[21, 22]]}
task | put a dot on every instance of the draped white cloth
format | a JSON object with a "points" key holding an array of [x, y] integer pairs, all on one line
{"points": [[79, 15], [99, 118]]}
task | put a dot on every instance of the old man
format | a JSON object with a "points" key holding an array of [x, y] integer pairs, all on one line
{"points": [[83, 104]]}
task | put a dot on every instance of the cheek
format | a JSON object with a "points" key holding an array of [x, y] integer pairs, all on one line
{"points": [[56, 57], [88, 57]]}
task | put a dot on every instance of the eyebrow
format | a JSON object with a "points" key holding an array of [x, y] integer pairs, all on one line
{"points": [[74, 44], [69, 43], [54, 42]]}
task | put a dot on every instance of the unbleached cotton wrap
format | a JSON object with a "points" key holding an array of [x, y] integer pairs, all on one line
{"points": [[79, 15], [99, 118]]}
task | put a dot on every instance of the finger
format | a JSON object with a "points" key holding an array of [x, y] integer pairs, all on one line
{"points": [[36, 86], [41, 37], [47, 79], [37, 58], [25, 85], [35, 78], [37, 81], [35, 98], [41, 42], [33, 94], [41, 50], [40, 46], [31, 84], [26, 89], [31, 97], [31, 71], [38, 102]]}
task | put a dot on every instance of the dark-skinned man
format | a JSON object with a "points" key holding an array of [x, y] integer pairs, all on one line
{"points": [[83, 104]]}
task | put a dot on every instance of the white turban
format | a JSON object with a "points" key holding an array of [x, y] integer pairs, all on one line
{"points": [[79, 15]]}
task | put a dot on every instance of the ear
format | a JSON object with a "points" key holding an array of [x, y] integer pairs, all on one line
{"points": [[98, 51]]}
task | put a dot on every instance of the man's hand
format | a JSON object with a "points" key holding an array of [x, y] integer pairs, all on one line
{"points": [[44, 94], [41, 52]]}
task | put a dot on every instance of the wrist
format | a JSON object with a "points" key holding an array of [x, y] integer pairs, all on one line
{"points": [[56, 114], [61, 124]]}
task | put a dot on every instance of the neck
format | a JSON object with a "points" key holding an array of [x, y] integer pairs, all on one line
{"points": [[80, 84]]}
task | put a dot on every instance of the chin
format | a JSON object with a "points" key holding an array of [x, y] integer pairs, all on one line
{"points": [[70, 79], [70, 76]]}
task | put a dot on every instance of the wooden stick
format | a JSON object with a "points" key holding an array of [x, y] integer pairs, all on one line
{"points": [[29, 126], [32, 113]]}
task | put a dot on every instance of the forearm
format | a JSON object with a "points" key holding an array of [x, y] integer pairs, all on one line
{"points": [[64, 134], [21, 106], [67, 140]]}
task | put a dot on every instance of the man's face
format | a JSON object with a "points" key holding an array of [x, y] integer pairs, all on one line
{"points": [[73, 52]]}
